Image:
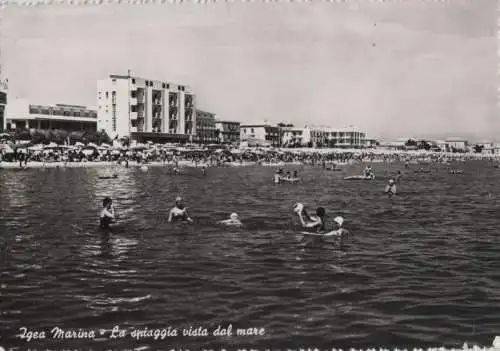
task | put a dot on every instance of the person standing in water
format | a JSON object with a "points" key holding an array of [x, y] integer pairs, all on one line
{"points": [[277, 177], [179, 212], [311, 222], [107, 213]]}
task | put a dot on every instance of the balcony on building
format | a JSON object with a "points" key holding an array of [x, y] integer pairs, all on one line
{"points": [[188, 101], [157, 98], [140, 95], [133, 97], [173, 99]]}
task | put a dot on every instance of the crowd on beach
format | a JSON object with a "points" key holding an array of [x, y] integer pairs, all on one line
{"points": [[217, 155]]}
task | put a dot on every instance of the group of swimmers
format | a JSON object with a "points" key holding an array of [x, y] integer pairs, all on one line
{"points": [[280, 176], [178, 213]]}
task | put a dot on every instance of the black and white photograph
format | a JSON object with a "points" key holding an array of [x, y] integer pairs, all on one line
{"points": [[249, 175]]}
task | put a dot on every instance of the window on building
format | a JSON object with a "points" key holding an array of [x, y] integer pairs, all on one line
{"points": [[114, 120], [133, 123], [164, 86], [253, 131], [133, 80], [107, 95]]}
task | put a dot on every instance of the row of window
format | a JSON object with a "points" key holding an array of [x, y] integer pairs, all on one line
{"points": [[53, 112], [149, 83]]}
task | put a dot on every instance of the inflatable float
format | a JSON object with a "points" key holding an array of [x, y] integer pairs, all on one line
{"points": [[360, 177], [289, 180], [422, 171], [337, 232]]}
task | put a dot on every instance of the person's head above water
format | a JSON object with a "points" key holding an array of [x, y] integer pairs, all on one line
{"points": [[339, 220], [320, 212], [178, 201], [107, 202], [234, 216]]}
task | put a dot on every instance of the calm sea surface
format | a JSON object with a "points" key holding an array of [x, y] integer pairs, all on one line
{"points": [[420, 269]]}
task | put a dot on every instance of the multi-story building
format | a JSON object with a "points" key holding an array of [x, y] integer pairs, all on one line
{"points": [[261, 134], [228, 132], [3, 101], [22, 115], [294, 137], [323, 136], [205, 127], [457, 144], [3, 104], [344, 138], [144, 109]]}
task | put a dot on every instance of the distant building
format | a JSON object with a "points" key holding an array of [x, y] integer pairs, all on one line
{"points": [[260, 134], [294, 137], [146, 110], [457, 144], [3, 104], [22, 115], [323, 137], [371, 143], [228, 132], [205, 128]]}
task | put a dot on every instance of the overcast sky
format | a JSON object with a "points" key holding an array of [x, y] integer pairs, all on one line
{"points": [[392, 68]]}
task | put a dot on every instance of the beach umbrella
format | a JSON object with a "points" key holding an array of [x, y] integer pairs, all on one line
{"points": [[92, 145], [104, 145], [37, 147], [51, 146], [79, 144], [6, 148]]}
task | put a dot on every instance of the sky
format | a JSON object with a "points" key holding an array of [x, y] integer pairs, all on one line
{"points": [[394, 68]]}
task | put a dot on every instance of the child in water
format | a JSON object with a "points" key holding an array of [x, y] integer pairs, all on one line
{"points": [[233, 220], [390, 189], [313, 222], [107, 213]]}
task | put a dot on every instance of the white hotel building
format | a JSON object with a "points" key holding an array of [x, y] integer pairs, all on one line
{"points": [[145, 110], [350, 137]]}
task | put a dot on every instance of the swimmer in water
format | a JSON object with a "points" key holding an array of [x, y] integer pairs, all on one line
{"points": [[203, 169], [311, 222], [397, 180], [390, 189], [288, 175], [107, 213], [233, 220], [339, 221], [179, 212], [277, 177], [295, 174]]}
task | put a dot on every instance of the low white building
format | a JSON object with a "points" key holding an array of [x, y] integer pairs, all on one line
{"points": [[20, 114], [458, 144]]}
